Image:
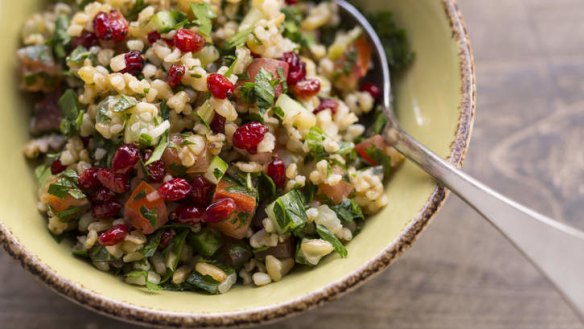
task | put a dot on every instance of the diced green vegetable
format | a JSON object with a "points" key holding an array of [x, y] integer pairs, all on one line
{"points": [[151, 286], [206, 242], [152, 244], [204, 282], [78, 56], [99, 254], [287, 212], [138, 6], [159, 150], [66, 184], [315, 141], [216, 170], [124, 103], [327, 235], [163, 21], [174, 250], [206, 112], [42, 174], [266, 187], [60, 37]]}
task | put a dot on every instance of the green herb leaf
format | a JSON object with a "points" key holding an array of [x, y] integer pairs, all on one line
{"points": [[279, 113], [264, 90], [150, 214], [288, 212], [152, 244], [348, 211], [60, 37], [204, 14], [42, 174], [315, 142], [327, 235], [159, 150], [238, 39], [78, 56], [204, 282], [99, 254], [70, 112], [173, 252], [124, 102], [266, 187], [139, 5]]}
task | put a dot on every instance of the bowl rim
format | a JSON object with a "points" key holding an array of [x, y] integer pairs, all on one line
{"points": [[145, 316]]}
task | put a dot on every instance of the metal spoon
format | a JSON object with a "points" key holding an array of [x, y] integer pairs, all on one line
{"points": [[556, 249]]}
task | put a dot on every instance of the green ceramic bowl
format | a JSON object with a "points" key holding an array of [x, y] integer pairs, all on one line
{"points": [[435, 101]]}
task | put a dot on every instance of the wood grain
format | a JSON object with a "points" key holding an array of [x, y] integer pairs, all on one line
{"points": [[461, 273]]}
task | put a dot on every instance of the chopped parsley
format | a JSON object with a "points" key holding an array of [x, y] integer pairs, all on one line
{"points": [[72, 115], [238, 39], [159, 150], [328, 236], [203, 14], [264, 89], [150, 214]]}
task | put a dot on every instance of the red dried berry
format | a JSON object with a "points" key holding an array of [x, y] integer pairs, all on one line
{"points": [[57, 167], [306, 88], [175, 189], [112, 26], [186, 214], [125, 158], [220, 210], [114, 235], [156, 171], [291, 2], [102, 195], [88, 179], [106, 210], [277, 172], [154, 36], [188, 41], [218, 124], [175, 75], [165, 239], [86, 39], [115, 182], [372, 89], [219, 86], [327, 104], [134, 62], [248, 136], [202, 190], [296, 68]]}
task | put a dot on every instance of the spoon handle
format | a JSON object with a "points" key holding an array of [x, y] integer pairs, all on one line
{"points": [[556, 249]]}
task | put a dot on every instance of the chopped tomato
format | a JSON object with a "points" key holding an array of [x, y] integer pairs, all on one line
{"points": [[365, 146], [59, 204], [338, 192], [271, 66], [237, 225], [145, 209], [362, 51], [174, 164]]}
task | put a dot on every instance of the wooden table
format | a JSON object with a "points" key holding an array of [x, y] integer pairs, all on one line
{"points": [[528, 142]]}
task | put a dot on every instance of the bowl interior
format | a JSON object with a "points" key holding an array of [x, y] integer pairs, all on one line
{"points": [[428, 100]]}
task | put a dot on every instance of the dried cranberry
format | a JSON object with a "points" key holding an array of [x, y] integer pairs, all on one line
{"points": [[372, 89], [175, 189], [291, 2], [88, 179], [248, 136], [115, 182], [156, 171], [327, 104], [296, 68], [102, 195], [218, 124], [86, 39], [57, 167], [134, 62], [154, 36], [306, 88], [114, 235], [165, 239], [277, 171], [202, 190], [188, 41], [219, 86], [185, 214], [125, 158], [175, 75], [106, 210], [112, 26], [220, 210]]}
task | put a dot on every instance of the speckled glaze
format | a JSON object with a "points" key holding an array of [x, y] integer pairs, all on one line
{"points": [[435, 101]]}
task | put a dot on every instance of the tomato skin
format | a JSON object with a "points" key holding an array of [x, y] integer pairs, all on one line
{"points": [[237, 225], [132, 209], [374, 141], [338, 192], [271, 66], [364, 52]]}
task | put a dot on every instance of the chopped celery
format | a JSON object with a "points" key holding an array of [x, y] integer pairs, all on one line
{"points": [[327, 235], [163, 21], [216, 170], [205, 112], [206, 242]]}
